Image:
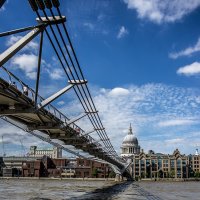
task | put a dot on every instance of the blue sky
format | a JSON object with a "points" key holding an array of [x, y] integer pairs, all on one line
{"points": [[141, 59]]}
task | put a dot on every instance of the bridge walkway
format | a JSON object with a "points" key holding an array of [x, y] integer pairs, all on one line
{"points": [[20, 107]]}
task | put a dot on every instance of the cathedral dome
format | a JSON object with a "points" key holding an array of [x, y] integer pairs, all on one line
{"points": [[130, 139], [130, 144]]}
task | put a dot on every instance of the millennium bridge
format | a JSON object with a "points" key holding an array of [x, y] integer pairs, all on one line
{"points": [[23, 107]]}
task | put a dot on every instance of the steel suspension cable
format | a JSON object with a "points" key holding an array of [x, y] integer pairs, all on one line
{"points": [[35, 9], [65, 29], [65, 69]]}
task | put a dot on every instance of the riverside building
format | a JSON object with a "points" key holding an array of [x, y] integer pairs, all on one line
{"points": [[158, 165], [54, 152]]}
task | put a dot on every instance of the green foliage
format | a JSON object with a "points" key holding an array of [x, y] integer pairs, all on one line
{"points": [[142, 175], [112, 174], [160, 174], [167, 175], [95, 172], [197, 174], [172, 174]]}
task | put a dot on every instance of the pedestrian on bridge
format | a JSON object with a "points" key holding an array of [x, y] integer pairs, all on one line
{"points": [[25, 90], [14, 84]]}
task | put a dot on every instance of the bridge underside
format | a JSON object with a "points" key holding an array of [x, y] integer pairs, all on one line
{"points": [[21, 108]]}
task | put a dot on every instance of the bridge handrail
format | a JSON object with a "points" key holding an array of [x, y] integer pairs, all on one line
{"points": [[50, 107]]}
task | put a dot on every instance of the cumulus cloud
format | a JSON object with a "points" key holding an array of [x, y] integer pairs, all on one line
{"points": [[157, 112], [53, 69], [122, 32], [101, 17], [61, 103], [159, 11], [32, 45], [27, 63], [174, 141], [160, 116], [186, 52], [119, 92], [56, 74], [177, 122], [14, 138], [190, 70], [89, 25]]}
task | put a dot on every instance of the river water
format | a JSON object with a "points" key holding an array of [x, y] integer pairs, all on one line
{"points": [[71, 189]]}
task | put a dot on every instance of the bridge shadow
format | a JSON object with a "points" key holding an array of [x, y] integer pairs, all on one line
{"points": [[124, 190], [105, 193]]}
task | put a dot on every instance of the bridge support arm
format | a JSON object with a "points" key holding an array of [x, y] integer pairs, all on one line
{"points": [[91, 131], [88, 132], [54, 96], [79, 117], [59, 93], [11, 51], [76, 118]]}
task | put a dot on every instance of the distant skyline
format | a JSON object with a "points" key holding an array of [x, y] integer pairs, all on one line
{"points": [[142, 62]]}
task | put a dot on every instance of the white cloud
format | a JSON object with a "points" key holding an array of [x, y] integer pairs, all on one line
{"points": [[186, 52], [27, 63], [122, 32], [177, 122], [89, 25], [56, 74], [190, 70], [161, 115], [159, 11], [61, 103], [157, 112], [14, 138], [32, 45], [101, 17], [53, 68], [119, 92], [174, 141]]}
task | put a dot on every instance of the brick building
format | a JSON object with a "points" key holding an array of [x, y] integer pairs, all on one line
{"points": [[91, 169], [79, 168], [44, 167], [158, 165]]}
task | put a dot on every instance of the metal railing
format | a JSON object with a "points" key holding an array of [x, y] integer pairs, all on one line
{"points": [[16, 83]]}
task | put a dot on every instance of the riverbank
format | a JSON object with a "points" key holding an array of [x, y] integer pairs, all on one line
{"points": [[58, 178], [170, 179], [50, 189], [102, 179]]}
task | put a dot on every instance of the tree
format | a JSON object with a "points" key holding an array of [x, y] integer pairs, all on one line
{"points": [[112, 174], [95, 172], [197, 174], [142, 175], [160, 174], [172, 174]]}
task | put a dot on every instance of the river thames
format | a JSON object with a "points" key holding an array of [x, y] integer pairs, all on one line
{"points": [[73, 189]]}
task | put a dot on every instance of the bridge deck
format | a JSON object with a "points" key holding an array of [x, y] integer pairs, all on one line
{"points": [[20, 107]]}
